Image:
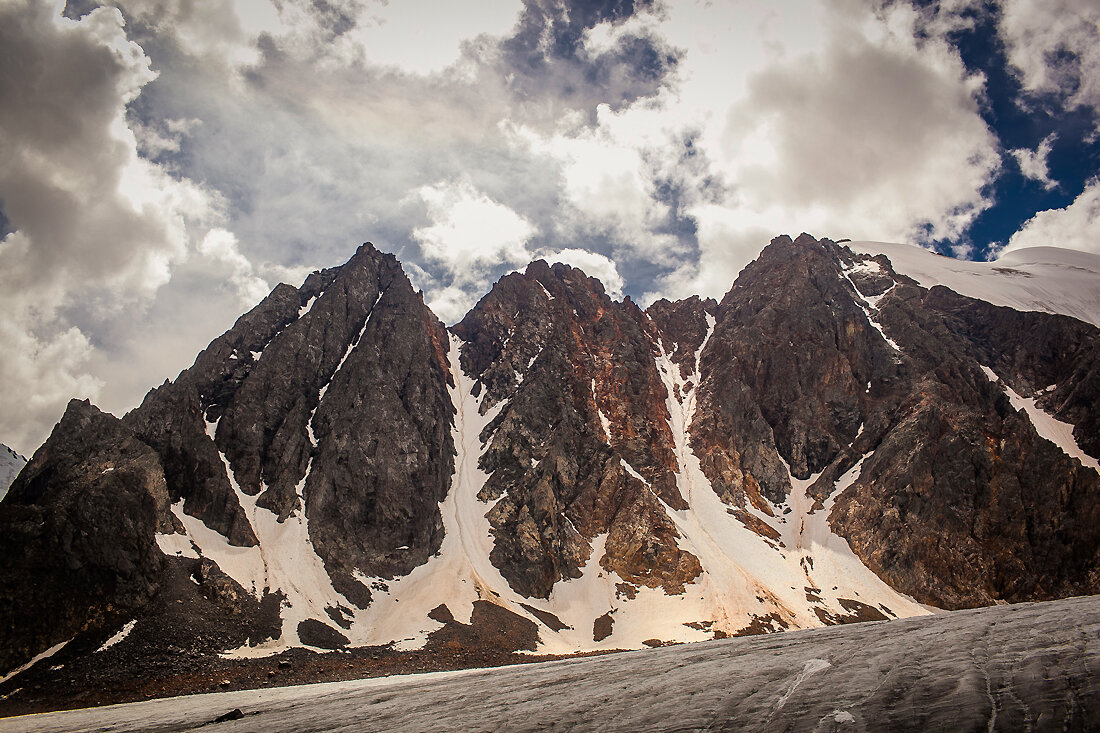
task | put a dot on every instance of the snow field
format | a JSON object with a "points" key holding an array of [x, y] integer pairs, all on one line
{"points": [[1047, 279]]}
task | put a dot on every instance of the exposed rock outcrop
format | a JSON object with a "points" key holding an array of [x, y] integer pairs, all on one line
{"points": [[581, 445]]}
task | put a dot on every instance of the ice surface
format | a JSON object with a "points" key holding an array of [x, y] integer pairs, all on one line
{"points": [[1019, 667], [1047, 279]]}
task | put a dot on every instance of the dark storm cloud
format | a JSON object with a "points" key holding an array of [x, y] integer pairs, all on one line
{"points": [[547, 62]]}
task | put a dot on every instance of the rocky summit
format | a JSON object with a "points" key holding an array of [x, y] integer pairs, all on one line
{"points": [[843, 437]]}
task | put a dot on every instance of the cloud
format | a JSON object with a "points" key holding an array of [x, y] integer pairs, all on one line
{"points": [[220, 246], [1055, 47], [1033, 163], [866, 127], [470, 236], [94, 229], [1075, 227], [171, 168], [398, 34]]}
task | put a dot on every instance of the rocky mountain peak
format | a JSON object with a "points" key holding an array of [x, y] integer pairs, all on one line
{"points": [[828, 442]]}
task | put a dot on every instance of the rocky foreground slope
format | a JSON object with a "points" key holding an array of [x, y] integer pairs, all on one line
{"points": [[830, 442], [1007, 668]]}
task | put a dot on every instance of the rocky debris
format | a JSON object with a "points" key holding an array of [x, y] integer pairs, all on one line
{"points": [[551, 621], [602, 627], [491, 628], [768, 623], [234, 714], [314, 633], [858, 612], [76, 678]]}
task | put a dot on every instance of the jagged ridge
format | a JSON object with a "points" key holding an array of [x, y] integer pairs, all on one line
{"points": [[829, 442]]}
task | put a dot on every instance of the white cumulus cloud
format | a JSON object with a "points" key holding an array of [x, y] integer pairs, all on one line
{"points": [[1077, 226]]}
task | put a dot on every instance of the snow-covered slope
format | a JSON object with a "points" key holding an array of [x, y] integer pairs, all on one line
{"points": [[11, 463], [1047, 279]]}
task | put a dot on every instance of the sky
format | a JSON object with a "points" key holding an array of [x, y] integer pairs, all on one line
{"points": [[165, 163]]}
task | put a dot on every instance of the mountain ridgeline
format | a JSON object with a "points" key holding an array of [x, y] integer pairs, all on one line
{"points": [[830, 442]]}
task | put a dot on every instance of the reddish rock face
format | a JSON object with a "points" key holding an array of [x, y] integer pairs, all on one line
{"points": [[582, 446]]}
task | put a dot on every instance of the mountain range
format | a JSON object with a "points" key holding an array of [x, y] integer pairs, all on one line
{"points": [[854, 432]]}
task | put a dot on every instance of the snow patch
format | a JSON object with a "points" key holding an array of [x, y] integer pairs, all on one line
{"points": [[244, 564], [44, 655], [1047, 426], [122, 634], [603, 418], [176, 545], [309, 305], [288, 564]]}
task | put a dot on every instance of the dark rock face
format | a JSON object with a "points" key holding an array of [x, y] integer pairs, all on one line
{"points": [[330, 399], [785, 373], [314, 633], [343, 380], [581, 446], [950, 507], [76, 530]]}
